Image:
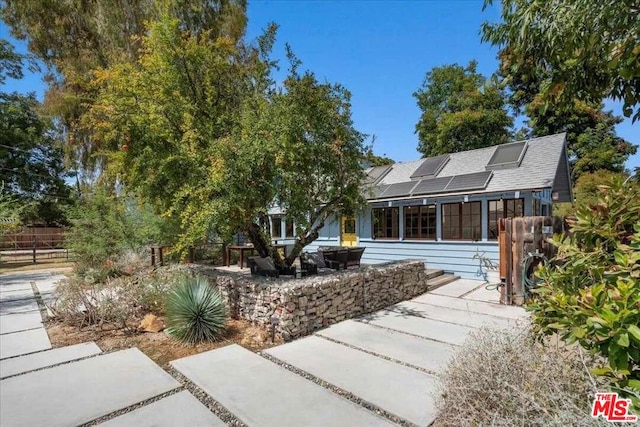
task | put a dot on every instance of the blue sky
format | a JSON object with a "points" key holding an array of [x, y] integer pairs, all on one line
{"points": [[380, 51]]}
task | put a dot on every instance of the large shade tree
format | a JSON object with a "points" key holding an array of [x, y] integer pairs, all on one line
{"points": [[590, 49], [32, 172], [198, 128], [461, 111]]}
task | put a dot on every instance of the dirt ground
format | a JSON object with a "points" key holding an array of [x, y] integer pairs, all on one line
{"points": [[158, 346]]}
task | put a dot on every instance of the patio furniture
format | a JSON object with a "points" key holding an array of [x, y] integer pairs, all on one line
{"points": [[314, 263], [262, 267], [338, 257], [238, 248], [355, 254]]}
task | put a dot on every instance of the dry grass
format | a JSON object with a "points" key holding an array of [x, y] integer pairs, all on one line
{"points": [[503, 378], [158, 346]]}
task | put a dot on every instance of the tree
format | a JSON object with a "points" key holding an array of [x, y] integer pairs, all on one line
{"points": [[210, 140], [80, 38], [460, 111], [31, 158], [592, 141], [591, 137], [372, 159], [590, 49]]}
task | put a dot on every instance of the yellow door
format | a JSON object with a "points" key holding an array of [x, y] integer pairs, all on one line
{"points": [[348, 231]]}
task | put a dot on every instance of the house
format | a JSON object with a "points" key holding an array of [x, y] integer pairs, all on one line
{"points": [[444, 209]]}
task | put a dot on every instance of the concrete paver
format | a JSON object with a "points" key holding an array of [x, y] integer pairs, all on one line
{"points": [[20, 322], [18, 306], [473, 306], [446, 314], [426, 354], [16, 295], [30, 362], [398, 389], [24, 342], [180, 409], [459, 287], [484, 294], [81, 391], [423, 327], [262, 393], [13, 286]]}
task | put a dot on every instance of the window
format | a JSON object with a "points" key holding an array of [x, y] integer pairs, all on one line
{"points": [[536, 207], [385, 223], [276, 227], [504, 208], [289, 229], [420, 222], [462, 221]]}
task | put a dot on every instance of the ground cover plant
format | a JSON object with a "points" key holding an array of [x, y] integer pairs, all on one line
{"points": [[509, 378]]}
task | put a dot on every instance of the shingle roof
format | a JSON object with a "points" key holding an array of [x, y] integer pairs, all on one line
{"points": [[543, 166]]}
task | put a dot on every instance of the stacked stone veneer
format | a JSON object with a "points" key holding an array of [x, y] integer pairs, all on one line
{"points": [[302, 306]]}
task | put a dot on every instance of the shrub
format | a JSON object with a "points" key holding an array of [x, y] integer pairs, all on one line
{"points": [[111, 233], [117, 303], [195, 311], [508, 378], [591, 291]]}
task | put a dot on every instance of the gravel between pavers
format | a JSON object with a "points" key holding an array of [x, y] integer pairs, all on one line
{"points": [[131, 408], [408, 333], [381, 356], [341, 392], [44, 314], [214, 406]]}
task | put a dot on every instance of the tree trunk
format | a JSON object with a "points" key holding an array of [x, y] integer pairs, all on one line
{"points": [[301, 243], [264, 248]]}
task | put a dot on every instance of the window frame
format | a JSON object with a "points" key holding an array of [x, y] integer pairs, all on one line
{"points": [[505, 203], [395, 223], [423, 212], [273, 227], [460, 215]]}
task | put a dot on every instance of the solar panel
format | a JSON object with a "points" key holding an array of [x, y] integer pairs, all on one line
{"points": [[507, 156], [376, 173], [400, 189], [430, 167], [376, 192], [428, 186], [471, 181]]}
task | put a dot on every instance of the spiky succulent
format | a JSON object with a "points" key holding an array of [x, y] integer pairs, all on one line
{"points": [[195, 311]]}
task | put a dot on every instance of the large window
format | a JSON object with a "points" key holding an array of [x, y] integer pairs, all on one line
{"points": [[276, 227], [385, 223], [462, 221], [504, 208], [420, 222]]}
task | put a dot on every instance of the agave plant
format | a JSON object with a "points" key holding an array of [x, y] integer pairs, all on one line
{"points": [[195, 311]]}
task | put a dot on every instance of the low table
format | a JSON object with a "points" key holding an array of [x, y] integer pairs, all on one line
{"points": [[238, 248]]}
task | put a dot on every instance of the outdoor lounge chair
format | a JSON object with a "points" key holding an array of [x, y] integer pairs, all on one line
{"points": [[355, 254], [262, 267]]}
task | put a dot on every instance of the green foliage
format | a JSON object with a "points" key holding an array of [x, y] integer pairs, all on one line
{"points": [[213, 142], [196, 311], [31, 158], [461, 111], [590, 49], [591, 292], [105, 227], [374, 160]]}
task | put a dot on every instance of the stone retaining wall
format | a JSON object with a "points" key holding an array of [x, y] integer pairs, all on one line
{"points": [[302, 306]]}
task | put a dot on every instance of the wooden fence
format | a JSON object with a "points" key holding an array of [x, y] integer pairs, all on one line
{"points": [[523, 246], [30, 237]]}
